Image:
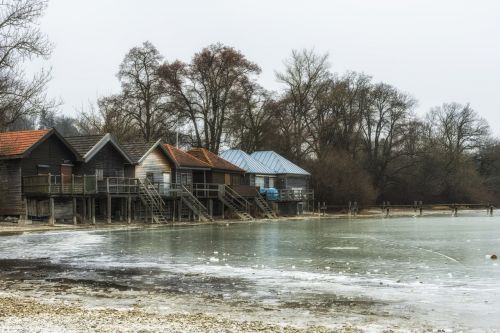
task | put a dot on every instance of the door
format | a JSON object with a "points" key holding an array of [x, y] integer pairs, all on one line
{"points": [[227, 179], [167, 180], [66, 181]]}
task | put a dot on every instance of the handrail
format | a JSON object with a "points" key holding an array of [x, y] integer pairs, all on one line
{"points": [[155, 196], [59, 184], [236, 197], [192, 197]]}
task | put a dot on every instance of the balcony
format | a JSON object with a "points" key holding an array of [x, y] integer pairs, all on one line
{"points": [[59, 185]]}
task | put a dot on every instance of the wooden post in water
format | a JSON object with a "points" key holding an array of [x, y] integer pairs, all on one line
{"points": [[211, 207], [491, 210], [355, 208], [129, 210], [349, 208], [92, 208], [52, 219], [84, 210], [108, 208], [420, 207], [388, 210], [74, 210], [89, 209]]}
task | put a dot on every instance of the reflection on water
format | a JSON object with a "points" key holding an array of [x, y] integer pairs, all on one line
{"points": [[435, 269]]}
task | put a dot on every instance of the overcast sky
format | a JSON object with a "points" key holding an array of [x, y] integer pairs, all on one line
{"points": [[439, 50]]}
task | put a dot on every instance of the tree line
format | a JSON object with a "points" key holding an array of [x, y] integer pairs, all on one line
{"points": [[361, 139]]}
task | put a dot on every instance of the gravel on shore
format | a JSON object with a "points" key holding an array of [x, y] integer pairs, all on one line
{"points": [[19, 314]]}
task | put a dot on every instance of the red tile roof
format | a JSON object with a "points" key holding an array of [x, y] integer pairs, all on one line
{"points": [[183, 159], [14, 144], [214, 160]]}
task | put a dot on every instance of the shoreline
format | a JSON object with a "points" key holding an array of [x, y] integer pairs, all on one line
{"points": [[11, 228]]}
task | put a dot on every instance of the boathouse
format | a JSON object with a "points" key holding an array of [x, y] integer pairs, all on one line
{"points": [[256, 173], [33, 163], [292, 183]]}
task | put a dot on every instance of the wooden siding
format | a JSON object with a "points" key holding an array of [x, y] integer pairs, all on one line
{"points": [[108, 159], [155, 163], [297, 182], [289, 182], [179, 173], [10, 188], [51, 152]]}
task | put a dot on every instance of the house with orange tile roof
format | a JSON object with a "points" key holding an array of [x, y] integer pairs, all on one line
{"points": [[25, 154], [222, 171]]}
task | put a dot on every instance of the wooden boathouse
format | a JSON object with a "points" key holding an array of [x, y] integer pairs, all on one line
{"points": [[84, 179]]}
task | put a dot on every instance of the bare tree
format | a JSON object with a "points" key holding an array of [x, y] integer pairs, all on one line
{"points": [[21, 40], [143, 100], [110, 116], [306, 77], [206, 91], [251, 125], [384, 129], [457, 128]]}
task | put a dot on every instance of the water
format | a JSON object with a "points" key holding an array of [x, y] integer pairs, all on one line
{"points": [[432, 270]]}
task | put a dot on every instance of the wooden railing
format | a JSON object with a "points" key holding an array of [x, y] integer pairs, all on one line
{"points": [[57, 184], [295, 195], [118, 185]]}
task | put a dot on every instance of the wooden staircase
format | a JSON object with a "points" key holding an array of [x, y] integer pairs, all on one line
{"points": [[194, 204], [153, 200], [264, 207], [237, 204]]}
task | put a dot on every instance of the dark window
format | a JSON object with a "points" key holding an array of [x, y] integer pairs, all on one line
{"points": [[42, 169], [184, 178]]}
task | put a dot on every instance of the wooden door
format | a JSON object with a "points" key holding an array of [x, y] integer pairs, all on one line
{"points": [[66, 181], [227, 179]]}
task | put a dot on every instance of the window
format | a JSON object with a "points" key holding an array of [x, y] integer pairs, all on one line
{"points": [[99, 174], [150, 176], [184, 178], [42, 169]]}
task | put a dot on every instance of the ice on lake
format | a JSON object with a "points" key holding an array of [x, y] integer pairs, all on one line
{"points": [[434, 270]]}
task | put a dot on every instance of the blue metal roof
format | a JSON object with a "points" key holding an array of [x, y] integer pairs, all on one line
{"points": [[278, 163], [246, 162]]}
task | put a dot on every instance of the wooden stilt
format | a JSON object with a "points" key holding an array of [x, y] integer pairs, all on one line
{"points": [[26, 214], [74, 210], [211, 207], [129, 210], [92, 208], [180, 210], [84, 210], [108, 208], [52, 219], [173, 209], [89, 209]]}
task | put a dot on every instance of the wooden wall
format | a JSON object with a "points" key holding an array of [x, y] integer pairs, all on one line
{"points": [[109, 159], [177, 175], [157, 163], [51, 152], [289, 182], [10, 188]]}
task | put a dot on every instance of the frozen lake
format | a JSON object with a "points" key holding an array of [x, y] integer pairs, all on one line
{"points": [[431, 270]]}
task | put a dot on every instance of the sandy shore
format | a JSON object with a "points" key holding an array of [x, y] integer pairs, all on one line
{"points": [[26, 315], [27, 307]]}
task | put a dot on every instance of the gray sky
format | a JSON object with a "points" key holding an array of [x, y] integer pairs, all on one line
{"points": [[439, 51]]}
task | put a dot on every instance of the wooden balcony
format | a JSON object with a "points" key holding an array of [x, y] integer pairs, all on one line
{"points": [[59, 185], [295, 195]]}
